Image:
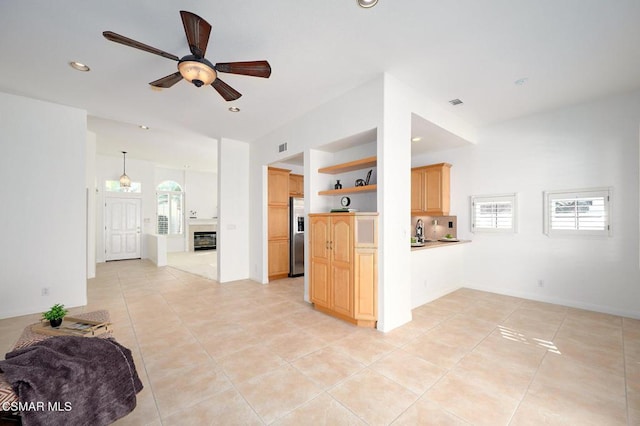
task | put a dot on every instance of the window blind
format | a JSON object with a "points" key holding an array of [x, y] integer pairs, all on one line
{"points": [[577, 212], [495, 213]]}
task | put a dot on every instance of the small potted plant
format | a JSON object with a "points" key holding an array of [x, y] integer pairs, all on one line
{"points": [[55, 314]]}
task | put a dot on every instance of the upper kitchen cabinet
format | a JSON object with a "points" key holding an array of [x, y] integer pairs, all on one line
{"points": [[296, 185], [278, 185], [430, 190]]}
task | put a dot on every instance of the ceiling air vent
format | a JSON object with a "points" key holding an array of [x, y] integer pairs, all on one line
{"points": [[282, 147], [455, 102]]}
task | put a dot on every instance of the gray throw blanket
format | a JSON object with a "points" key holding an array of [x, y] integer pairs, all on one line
{"points": [[71, 380]]}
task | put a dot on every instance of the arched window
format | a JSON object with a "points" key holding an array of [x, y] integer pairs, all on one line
{"points": [[170, 208]]}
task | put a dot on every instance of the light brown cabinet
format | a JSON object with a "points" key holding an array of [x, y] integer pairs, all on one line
{"points": [[430, 190], [344, 265], [296, 185], [278, 222]]}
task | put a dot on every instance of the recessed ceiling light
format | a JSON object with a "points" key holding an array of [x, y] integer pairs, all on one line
{"points": [[521, 81], [143, 127], [455, 102], [234, 109], [79, 66], [416, 139], [367, 3]]}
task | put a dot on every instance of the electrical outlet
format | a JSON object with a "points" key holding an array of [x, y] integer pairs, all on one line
{"points": [[540, 283], [45, 291], [425, 284]]}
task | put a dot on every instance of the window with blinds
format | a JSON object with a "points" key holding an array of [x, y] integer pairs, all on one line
{"points": [[494, 213], [169, 208], [577, 212]]}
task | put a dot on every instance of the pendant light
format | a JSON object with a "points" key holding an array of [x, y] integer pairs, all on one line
{"points": [[125, 182]]}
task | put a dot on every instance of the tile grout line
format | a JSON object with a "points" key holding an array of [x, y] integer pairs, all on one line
{"points": [[546, 353], [135, 336]]}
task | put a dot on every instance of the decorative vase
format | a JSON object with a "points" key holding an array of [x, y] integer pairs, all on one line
{"points": [[338, 185], [55, 322]]}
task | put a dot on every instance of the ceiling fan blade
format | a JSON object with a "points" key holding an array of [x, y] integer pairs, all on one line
{"points": [[252, 68], [226, 91], [111, 36], [168, 81], [197, 31]]}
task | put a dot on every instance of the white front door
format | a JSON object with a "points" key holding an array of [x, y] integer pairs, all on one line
{"points": [[122, 228]]}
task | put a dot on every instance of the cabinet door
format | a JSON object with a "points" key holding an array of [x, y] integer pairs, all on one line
{"points": [[296, 185], [278, 185], [319, 260], [433, 193], [278, 258], [366, 284], [341, 248], [365, 231], [342, 289], [417, 191], [278, 225]]}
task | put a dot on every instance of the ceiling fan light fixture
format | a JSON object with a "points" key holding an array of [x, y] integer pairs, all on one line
{"points": [[125, 181], [367, 3], [199, 72], [234, 109]]}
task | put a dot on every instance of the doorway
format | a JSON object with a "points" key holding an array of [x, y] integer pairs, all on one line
{"points": [[122, 228]]}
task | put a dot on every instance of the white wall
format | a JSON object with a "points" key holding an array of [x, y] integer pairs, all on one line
{"points": [[394, 203], [44, 236], [202, 194], [436, 271], [594, 144], [233, 220], [90, 176]]}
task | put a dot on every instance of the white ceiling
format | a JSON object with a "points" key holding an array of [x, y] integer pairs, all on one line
{"points": [[570, 51]]}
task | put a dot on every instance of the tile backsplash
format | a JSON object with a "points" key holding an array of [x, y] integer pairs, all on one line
{"points": [[432, 230]]}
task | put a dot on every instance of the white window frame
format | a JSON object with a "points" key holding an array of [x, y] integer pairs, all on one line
{"points": [[496, 198], [113, 186], [578, 194]]}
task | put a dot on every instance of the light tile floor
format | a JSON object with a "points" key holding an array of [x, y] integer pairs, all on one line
{"points": [[245, 353]]}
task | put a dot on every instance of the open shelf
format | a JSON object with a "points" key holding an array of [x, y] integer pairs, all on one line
{"points": [[363, 163], [351, 190]]}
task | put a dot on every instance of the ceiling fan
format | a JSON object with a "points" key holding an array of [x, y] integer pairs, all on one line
{"points": [[195, 68]]}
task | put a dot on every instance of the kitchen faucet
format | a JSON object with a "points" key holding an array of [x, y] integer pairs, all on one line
{"points": [[420, 230]]}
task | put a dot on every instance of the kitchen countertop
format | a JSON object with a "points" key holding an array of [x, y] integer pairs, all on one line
{"points": [[434, 244]]}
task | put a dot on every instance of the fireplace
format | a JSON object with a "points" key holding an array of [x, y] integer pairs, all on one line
{"points": [[205, 240]]}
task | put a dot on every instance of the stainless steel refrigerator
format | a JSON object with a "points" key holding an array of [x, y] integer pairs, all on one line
{"points": [[296, 236]]}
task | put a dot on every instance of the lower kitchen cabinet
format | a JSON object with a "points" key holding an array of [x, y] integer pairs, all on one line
{"points": [[344, 265]]}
